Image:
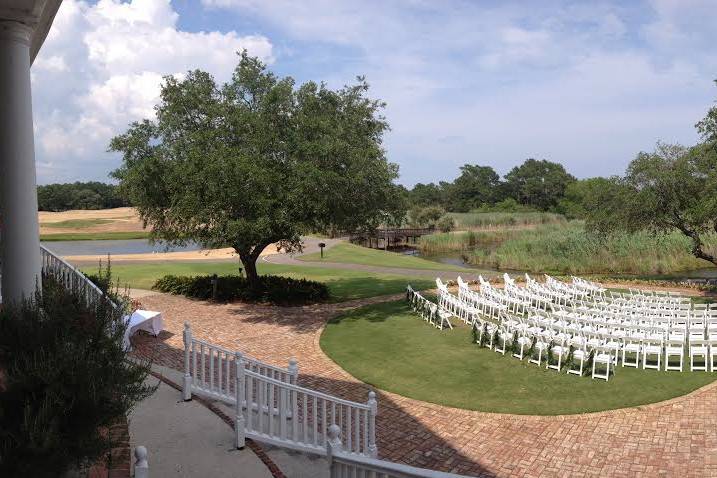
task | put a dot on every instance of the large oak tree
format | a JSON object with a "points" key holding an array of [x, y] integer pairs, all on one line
{"points": [[257, 161]]}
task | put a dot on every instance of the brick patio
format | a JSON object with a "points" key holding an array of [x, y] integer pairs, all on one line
{"points": [[674, 438]]}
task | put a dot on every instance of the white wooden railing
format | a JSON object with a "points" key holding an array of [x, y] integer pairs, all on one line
{"points": [[300, 416], [270, 406], [351, 465], [72, 279], [210, 369]]}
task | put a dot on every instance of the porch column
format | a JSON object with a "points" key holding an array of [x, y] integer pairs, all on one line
{"points": [[19, 236]]}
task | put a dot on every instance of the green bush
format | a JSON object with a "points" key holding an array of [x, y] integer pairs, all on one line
{"points": [[446, 224], [274, 289], [64, 377]]}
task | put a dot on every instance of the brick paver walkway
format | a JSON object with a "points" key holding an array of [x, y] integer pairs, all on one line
{"points": [[675, 438]]}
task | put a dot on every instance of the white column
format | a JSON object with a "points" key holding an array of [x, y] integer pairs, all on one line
{"points": [[19, 240]]}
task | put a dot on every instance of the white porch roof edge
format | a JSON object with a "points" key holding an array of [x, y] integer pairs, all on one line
{"points": [[36, 14]]}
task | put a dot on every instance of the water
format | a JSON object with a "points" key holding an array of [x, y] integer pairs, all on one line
{"points": [[113, 247]]}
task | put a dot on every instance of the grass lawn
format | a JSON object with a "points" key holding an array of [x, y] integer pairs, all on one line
{"points": [[76, 223], [352, 254], [393, 349], [94, 236], [343, 284]]}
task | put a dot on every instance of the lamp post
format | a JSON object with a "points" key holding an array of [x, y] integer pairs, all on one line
{"points": [[321, 246]]}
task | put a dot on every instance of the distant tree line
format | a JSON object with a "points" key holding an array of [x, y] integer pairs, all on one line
{"points": [[534, 185], [89, 195]]}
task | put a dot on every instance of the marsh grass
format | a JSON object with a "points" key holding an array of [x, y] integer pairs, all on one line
{"points": [[481, 220], [569, 249]]}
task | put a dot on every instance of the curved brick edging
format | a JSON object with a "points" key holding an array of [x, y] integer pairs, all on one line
{"points": [[253, 446]]}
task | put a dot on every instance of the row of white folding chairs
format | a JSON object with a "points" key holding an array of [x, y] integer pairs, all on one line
{"points": [[572, 289], [630, 310], [429, 311], [469, 304], [646, 343], [652, 352], [547, 342], [659, 319], [525, 295], [513, 304], [559, 295], [592, 287]]}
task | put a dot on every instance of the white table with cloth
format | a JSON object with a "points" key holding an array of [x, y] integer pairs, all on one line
{"points": [[142, 320]]}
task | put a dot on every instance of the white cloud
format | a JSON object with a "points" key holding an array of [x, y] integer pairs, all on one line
{"points": [[585, 83], [101, 68], [588, 84]]}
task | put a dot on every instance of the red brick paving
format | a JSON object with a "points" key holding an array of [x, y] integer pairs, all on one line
{"points": [[674, 438]]}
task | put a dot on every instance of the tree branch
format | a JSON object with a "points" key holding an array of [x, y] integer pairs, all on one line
{"points": [[697, 250]]}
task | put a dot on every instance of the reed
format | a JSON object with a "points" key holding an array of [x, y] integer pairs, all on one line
{"points": [[483, 220], [568, 249]]}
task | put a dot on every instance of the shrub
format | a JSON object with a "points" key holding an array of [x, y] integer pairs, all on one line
{"points": [[446, 224], [64, 377], [425, 217], [274, 289]]}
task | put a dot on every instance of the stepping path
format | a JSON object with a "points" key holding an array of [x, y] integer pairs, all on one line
{"points": [[673, 438]]}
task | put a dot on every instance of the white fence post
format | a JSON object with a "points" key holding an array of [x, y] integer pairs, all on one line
{"points": [[187, 385], [141, 467], [373, 404], [333, 446], [293, 371], [239, 431]]}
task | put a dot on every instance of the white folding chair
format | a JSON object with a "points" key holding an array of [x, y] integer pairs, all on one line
{"points": [[699, 348], [580, 354], [652, 348], [674, 348], [559, 351], [713, 354], [602, 356]]}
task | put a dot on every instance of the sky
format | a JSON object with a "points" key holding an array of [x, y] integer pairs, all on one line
{"points": [[585, 84]]}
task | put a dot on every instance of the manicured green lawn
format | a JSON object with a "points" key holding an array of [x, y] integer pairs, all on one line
{"points": [[393, 349], [343, 284], [95, 236], [77, 223], [352, 254]]}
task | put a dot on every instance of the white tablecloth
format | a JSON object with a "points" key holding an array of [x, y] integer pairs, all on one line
{"points": [[142, 320]]}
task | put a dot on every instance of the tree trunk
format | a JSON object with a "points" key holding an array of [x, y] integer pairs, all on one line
{"points": [[249, 262]]}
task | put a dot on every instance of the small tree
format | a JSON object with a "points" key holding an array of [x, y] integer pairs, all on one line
{"points": [[673, 188], [257, 161]]}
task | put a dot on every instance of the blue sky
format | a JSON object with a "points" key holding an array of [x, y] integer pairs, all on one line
{"points": [[586, 84]]}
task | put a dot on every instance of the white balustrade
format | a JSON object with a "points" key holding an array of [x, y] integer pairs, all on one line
{"points": [[72, 278], [269, 404]]}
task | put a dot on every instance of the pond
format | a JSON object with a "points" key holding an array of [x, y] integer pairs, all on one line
{"points": [[113, 247]]}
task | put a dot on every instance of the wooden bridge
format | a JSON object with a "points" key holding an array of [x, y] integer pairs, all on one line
{"points": [[383, 238]]}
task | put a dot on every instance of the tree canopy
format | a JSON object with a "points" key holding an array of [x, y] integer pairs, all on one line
{"points": [[477, 185], [540, 184], [258, 161], [89, 195]]}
